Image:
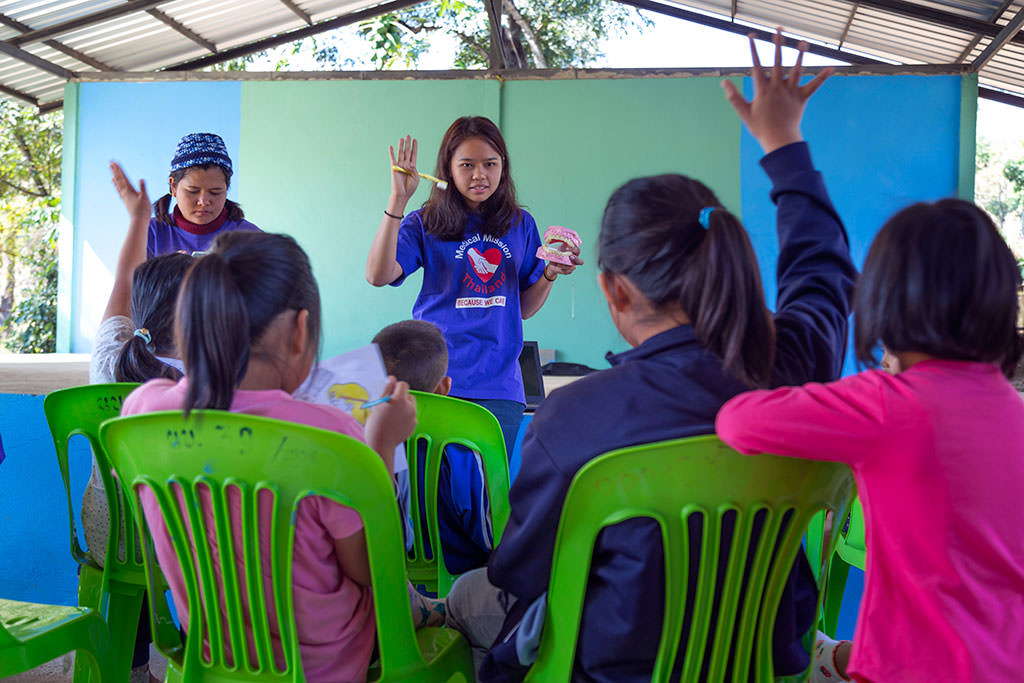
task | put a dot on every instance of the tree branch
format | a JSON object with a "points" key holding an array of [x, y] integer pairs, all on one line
{"points": [[33, 167], [528, 33], [24, 190]]}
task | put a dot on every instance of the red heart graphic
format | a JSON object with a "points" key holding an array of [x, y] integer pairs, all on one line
{"points": [[485, 265]]}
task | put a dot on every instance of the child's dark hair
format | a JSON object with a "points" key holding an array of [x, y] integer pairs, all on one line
{"points": [[939, 280], [229, 298], [651, 233], [444, 214], [162, 206], [414, 351], [155, 285]]}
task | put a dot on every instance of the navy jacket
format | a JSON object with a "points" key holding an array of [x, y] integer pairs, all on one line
{"points": [[666, 388]]}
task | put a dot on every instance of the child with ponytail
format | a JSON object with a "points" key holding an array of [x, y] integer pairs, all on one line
{"points": [[682, 285], [249, 330]]}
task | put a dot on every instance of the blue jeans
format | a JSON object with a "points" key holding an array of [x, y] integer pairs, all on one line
{"points": [[509, 414]]}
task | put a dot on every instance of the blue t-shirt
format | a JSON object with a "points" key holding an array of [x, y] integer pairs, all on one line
{"points": [[165, 238], [471, 292]]}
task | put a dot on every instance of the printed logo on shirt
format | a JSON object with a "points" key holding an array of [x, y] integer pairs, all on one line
{"points": [[485, 275]]}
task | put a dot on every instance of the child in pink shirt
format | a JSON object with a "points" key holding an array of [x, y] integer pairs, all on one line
{"points": [[248, 330], [937, 449]]}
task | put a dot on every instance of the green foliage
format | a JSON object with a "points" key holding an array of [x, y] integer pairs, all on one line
{"points": [[536, 33], [30, 161], [999, 183]]}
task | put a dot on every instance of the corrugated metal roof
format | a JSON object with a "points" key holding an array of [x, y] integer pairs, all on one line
{"points": [[900, 31], [43, 43]]}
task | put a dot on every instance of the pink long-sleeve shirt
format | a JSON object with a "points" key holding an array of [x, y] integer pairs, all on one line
{"points": [[938, 455]]}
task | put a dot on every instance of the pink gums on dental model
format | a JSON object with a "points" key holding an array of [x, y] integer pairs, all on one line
{"points": [[558, 245]]}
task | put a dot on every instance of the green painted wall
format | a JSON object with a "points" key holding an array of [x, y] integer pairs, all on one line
{"points": [[313, 162]]}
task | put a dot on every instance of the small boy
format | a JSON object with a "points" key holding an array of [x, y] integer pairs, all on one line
{"points": [[415, 351]]}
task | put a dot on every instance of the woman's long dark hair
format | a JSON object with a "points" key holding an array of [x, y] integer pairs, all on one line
{"points": [[651, 233], [445, 212], [229, 298], [155, 285], [162, 206], [938, 279]]}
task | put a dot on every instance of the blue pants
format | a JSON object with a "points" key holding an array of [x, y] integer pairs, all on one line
{"points": [[509, 414]]}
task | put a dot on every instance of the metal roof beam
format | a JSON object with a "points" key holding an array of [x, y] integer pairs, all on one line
{"points": [[1006, 35], [59, 47], [292, 36], [743, 29], [38, 62], [86, 20], [298, 11], [17, 94], [977, 39], [182, 29], [949, 19]]}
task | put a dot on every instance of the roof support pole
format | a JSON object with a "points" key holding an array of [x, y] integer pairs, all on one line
{"points": [[498, 59]]}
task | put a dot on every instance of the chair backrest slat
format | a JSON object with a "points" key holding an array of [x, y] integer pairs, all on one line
{"points": [[750, 513]]}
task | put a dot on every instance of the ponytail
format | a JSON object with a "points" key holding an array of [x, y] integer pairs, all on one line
{"points": [[213, 323], [720, 290], [229, 299], [136, 363], [155, 285], [652, 233]]}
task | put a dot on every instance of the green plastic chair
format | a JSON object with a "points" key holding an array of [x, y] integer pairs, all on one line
{"points": [[215, 451], [443, 420], [32, 634], [671, 481], [850, 551], [115, 590]]}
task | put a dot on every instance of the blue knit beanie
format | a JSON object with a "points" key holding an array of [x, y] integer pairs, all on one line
{"points": [[197, 149]]}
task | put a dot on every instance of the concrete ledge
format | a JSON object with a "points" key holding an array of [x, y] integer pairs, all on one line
{"points": [[42, 373]]}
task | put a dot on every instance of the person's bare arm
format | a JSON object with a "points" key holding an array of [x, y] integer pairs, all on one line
{"points": [[533, 297], [381, 265], [133, 251]]}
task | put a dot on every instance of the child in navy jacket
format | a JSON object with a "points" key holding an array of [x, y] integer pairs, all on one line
{"points": [[682, 286]]}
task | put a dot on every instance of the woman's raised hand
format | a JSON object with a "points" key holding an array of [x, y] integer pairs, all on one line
{"points": [[773, 117], [403, 185], [136, 201]]}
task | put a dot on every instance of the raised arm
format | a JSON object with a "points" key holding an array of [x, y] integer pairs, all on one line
{"points": [[133, 251], [382, 268], [815, 273]]}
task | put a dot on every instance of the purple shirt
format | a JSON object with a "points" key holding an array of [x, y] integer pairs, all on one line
{"points": [[471, 291], [167, 239]]}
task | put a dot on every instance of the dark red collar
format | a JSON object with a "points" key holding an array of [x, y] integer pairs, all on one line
{"points": [[196, 229]]}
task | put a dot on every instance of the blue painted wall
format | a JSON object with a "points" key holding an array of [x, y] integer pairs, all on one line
{"points": [[879, 149], [36, 562], [138, 125]]}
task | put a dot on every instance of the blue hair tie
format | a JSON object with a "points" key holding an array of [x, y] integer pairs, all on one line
{"points": [[144, 333], [705, 216]]}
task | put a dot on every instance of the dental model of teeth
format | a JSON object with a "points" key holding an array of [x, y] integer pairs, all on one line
{"points": [[558, 245]]}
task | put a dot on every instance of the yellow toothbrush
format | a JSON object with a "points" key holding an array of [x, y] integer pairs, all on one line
{"points": [[441, 184]]}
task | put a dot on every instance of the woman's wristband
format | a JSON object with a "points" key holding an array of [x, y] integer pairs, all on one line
{"points": [[549, 279], [391, 215]]}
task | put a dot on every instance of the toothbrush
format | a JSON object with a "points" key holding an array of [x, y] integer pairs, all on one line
{"points": [[441, 184]]}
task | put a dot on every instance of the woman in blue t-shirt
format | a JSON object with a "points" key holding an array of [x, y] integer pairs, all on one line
{"points": [[477, 248]]}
